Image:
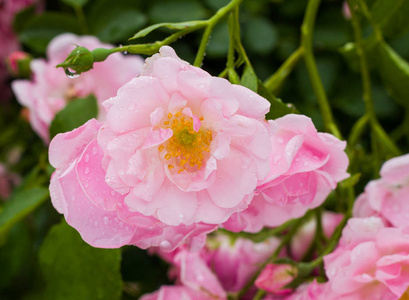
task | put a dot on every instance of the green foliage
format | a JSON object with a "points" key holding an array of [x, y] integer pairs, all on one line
{"points": [[249, 79], [113, 23], [75, 113], [18, 244], [38, 31], [391, 16], [394, 71], [75, 3], [177, 26], [176, 11], [19, 206], [74, 270], [260, 35]]}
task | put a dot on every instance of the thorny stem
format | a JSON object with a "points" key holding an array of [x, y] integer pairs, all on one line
{"points": [[307, 29]]}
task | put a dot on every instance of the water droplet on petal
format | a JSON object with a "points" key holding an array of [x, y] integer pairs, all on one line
{"points": [[105, 220], [121, 224], [165, 245], [113, 194], [86, 157], [86, 171], [94, 150], [280, 140], [96, 223], [131, 107]]}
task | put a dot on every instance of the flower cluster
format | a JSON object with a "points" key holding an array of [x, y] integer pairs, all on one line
{"points": [[181, 152]]}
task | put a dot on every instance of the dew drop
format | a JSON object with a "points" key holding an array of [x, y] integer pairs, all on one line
{"points": [[127, 228], [105, 220], [94, 150], [113, 194], [131, 107], [86, 157], [70, 73], [96, 223], [121, 224], [86, 171], [116, 220], [165, 244], [280, 140]]}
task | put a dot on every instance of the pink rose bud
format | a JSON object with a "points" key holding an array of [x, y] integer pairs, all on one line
{"points": [[18, 64], [274, 277]]}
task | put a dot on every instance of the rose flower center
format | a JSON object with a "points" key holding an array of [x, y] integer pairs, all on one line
{"points": [[186, 149]]}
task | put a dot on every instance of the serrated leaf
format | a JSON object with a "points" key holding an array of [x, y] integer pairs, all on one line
{"points": [[74, 270], [75, 3], [176, 26], [277, 108], [40, 30], [394, 71], [391, 16], [74, 114], [19, 206], [249, 79]]}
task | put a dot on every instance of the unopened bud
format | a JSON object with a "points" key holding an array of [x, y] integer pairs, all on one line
{"points": [[78, 61], [18, 64]]}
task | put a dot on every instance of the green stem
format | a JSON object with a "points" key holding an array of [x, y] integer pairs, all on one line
{"points": [[307, 29], [284, 241], [211, 23], [377, 132], [274, 82]]}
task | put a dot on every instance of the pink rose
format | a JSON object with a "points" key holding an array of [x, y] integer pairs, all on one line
{"points": [[183, 146], [50, 89], [305, 235], [233, 263], [311, 291], [387, 197], [371, 261], [197, 282], [79, 191], [274, 278], [305, 166], [8, 39]]}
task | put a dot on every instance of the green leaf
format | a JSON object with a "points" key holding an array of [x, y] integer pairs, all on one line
{"points": [[260, 35], [113, 23], [75, 3], [40, 30], [22, 17], [391, 16], [177, 11], [351, 181], [74, 114], [19, 206], [176, 26], [277, 108], [75, 270], [14, 254], [249, 79], [394, 71]]}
